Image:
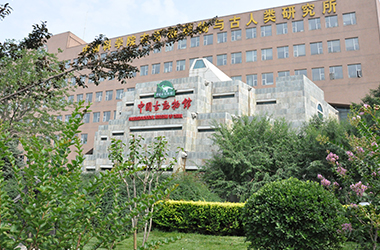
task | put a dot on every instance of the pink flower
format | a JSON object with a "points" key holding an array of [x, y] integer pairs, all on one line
{"points": [[366, 106], [374, 144], [374, 174], [325, 182], [341, 171], [359, 188], [336, 184], [319, 176], [347, 227], [332, 157], [359, 149], [353, 205], [351, 155]]}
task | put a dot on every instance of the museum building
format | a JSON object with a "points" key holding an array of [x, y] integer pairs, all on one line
{"points": [[334, 43]]}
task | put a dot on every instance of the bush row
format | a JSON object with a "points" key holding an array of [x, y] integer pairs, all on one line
{"points": [[214, 218]]}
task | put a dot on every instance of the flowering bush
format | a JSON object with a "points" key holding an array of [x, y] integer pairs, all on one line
{"points": [[362, 176]]}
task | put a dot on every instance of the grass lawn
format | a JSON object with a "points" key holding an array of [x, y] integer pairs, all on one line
{"points": [[190, 241], [198, 241]]}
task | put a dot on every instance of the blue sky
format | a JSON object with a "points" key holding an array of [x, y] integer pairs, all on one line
{"points": [[89, 18]]}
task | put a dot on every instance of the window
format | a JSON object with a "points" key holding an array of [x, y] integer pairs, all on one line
{"points": [[283, 73], [96, 117], [119, 94], [73, 81], [297, 26], [236, 58], [79, 97], [67, 64], [283, 52], [221, 59], [67, 118], [315, 23], [98, 96], [130, 89], [208, 58], [103, 55], [89, 97], [114, 114], [299, 72], [83, 138], [235, 35], [333, 46], [318, 74], [282, 28], [234, 78], [354, 70], [181, 65], [192, 60], [75, 61], [182, 44], [169, 46], [222, 37], [106, 116], [250, 33], [299, 50], [352, 44], [90, 78], [208, 39], [59, 118], [331, 21], [83, 79], [349, 19], [194, 41], [144, 70], [109, 95], [86, 118], [267, 79], [316, 48], [266, 30], [266, 54], [155, 69], [70, 99], [168, 67], [336, 72], [156, 50], [320, 111], [252, 80], [251, 56]]}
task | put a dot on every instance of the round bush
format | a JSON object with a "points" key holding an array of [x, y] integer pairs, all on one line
{"points": [[292, 214]]}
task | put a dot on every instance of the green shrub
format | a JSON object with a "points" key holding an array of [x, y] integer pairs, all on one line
{"points": [[192, 188], [292, 214], [214, 218]]}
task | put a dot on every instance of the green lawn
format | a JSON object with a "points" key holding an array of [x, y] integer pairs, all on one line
{"points": [[190, 241], [198, 241]]}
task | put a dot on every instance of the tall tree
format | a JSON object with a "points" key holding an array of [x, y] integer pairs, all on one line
{"points": [[252, 152]]}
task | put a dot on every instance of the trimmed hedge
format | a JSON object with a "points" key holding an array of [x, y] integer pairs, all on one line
{"points": [[215, 218]]}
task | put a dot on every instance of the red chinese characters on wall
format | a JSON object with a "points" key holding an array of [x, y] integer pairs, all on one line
{"points": [[165, 105]]}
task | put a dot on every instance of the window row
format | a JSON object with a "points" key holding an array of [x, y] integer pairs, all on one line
{"points": [[335, 72], [95, 117], [265, 30], [316, 48], [89, 97]]}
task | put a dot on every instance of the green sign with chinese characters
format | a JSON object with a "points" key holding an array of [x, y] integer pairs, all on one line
{"points": [[164, 90]]}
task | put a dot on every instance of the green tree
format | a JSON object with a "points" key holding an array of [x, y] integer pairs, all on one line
{"points": [[33, 111], [54, 210], [252, 152]]}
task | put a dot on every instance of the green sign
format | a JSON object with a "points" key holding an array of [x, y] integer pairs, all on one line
{"points": [[164, 90]]}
